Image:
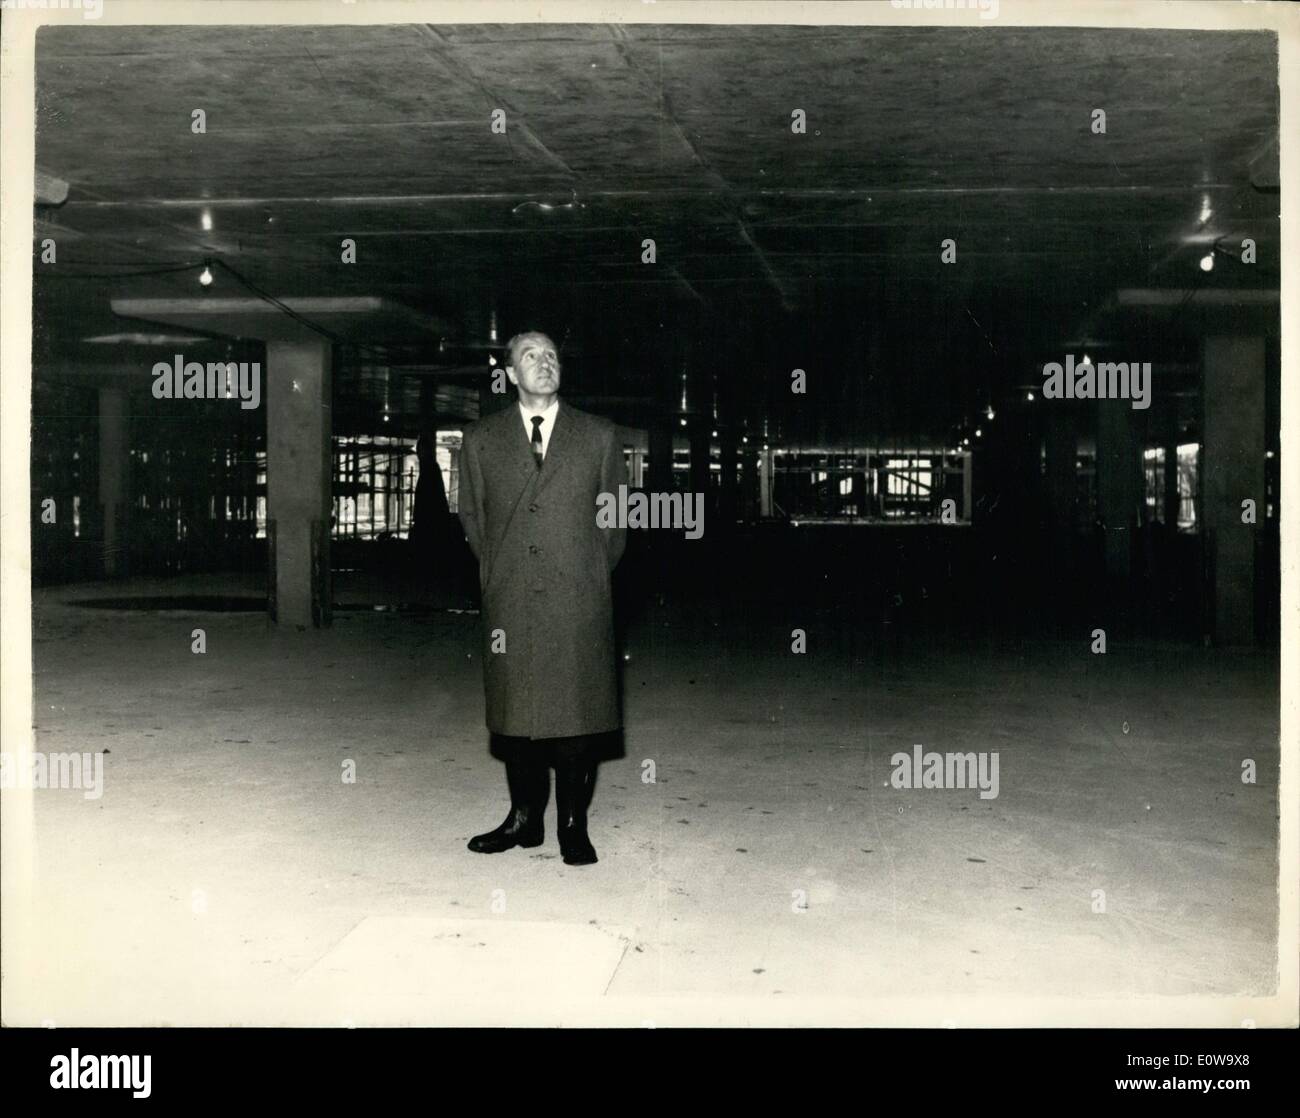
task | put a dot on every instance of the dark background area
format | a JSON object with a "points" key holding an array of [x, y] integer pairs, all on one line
{"points": [[775, 251]]}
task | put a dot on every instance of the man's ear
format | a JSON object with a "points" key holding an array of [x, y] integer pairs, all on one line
{"points": [[510, 372]]}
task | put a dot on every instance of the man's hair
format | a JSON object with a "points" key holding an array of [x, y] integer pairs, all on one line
{"points": [[518, 340]]}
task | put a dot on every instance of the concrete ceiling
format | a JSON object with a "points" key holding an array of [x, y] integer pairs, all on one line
{"points": [[783, 249]]}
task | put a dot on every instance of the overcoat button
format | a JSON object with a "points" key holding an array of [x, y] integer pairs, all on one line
{"points": [[533, 549], [532, 508]]}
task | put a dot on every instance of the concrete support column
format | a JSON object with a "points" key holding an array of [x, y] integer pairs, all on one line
{"points": [[1170, 496], [1062, 470], [114, 465], [766, 474], [1232, 471], [636, 470], [727, 493], [748, 481], [967, 486], [1119, 483], [700, 440], [298, 477], [661, 456]]}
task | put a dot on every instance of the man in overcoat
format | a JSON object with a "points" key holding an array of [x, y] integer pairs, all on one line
{"points": [[530, 476]]}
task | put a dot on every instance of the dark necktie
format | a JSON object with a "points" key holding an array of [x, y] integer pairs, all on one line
{"points": [[537, 440]]}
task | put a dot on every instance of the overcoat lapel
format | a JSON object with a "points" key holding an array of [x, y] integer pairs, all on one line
{"points": [[515, 445], [514, 449], [561, 440]]}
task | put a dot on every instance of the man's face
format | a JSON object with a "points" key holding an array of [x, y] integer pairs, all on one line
{"points": [[536, 367]]}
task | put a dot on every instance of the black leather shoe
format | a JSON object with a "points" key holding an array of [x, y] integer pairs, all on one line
{"points": [[574, 781], [519, 829], [530, 788]]}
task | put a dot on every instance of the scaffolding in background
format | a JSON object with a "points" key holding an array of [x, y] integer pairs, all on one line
{"points": [[881, 485]]}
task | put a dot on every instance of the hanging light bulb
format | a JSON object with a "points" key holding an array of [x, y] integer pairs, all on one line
{"points": [[1207, 262], [205, 276]]}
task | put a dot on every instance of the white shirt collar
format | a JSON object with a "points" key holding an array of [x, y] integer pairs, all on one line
{"points": [[547, 416], [548, 422]]}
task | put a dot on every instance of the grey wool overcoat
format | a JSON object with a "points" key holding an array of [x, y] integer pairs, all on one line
{"points": [[544, 568]]}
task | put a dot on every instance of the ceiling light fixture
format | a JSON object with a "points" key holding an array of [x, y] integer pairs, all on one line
{"points": [[1207, 262], [205, 276], [550, 207], [138, 338]]}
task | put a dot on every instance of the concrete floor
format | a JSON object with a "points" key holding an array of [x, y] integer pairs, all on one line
{"points": [[229, 875]]}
